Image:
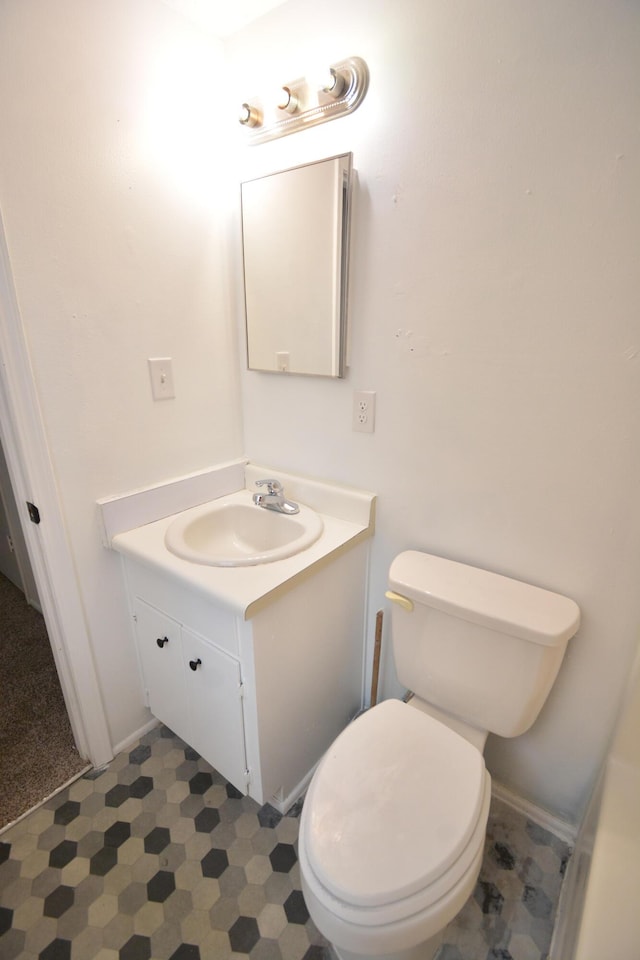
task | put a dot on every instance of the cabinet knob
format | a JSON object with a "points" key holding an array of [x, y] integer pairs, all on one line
{"points": [[161, 641], [194, 664]]}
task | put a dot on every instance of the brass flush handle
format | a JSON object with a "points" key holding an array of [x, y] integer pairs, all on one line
{"points": [[403, 602]]}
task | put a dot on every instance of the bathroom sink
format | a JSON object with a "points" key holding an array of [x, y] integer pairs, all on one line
{"points": [[234, 532]]}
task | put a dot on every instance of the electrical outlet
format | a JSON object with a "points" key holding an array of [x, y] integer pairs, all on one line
{"points": [[364, 411]]}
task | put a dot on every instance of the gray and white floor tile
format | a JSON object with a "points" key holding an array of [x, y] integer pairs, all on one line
{"points": [[157, 857]]}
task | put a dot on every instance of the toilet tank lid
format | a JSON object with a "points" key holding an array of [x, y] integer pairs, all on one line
{"points": [[488, 599]]}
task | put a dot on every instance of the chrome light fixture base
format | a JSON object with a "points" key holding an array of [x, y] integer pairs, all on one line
{"points": [[305, 105]]}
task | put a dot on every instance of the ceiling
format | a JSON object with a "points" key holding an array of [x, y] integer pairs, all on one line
{"points": [[222, 17]]}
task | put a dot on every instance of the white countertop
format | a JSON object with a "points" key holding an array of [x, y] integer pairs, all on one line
{"points": [[243, 589]]}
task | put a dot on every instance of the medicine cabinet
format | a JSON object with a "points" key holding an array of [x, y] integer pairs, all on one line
{"points": [[295, 235]]}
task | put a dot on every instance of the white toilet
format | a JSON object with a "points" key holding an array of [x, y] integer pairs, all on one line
{"points": [[393, 825]]}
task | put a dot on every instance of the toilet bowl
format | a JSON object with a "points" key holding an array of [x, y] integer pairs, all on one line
{"points": [[393, 826], [391, 840]]}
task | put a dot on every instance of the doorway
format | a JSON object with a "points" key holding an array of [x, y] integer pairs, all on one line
{"points": [[30, 471], [38, 752]]}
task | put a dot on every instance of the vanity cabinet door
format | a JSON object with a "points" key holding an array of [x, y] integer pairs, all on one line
{"points": [[214, 695], [161, 658]]}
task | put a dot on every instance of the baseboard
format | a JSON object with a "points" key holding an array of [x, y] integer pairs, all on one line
{"points": [[34, 602], [560, 828], [128, 741], [282, 805]]}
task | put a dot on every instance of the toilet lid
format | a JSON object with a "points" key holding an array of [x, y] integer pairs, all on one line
{"points": [[392, 805]]}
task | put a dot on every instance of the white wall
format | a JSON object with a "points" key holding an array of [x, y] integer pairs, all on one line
{"points": [[494, 297], [110, 182], [494, 308]]}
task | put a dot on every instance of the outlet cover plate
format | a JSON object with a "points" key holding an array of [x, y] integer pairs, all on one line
{"points": [[364, 411]]}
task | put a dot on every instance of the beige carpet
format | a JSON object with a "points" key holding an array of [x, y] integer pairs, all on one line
{"points": [[37, 751]]}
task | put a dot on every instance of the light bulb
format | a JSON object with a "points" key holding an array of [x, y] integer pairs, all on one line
{"points": [[333, 83], [287, 100], [249, 116]]}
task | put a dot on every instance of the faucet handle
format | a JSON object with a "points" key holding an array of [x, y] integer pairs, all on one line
{"points": [[273, 486]]}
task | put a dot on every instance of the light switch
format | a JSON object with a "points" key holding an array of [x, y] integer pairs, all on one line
{"points": [[161, 373], [282, 361]]}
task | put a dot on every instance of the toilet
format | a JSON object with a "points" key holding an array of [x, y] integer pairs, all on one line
{"points": [[393, 825]]}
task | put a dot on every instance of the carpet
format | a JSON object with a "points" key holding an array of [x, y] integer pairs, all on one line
{"points": [[37, 750]]}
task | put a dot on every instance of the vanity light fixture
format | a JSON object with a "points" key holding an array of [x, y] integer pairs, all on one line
{"points": [[301, 103]]}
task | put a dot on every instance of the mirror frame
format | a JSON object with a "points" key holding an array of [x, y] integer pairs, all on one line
{"points": [[340, 241]]}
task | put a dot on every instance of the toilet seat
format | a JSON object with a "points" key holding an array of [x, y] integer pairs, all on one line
{"points": [[395, 816]]}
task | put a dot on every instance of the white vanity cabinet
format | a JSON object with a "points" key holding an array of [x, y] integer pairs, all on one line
{"points": [[159, 643], [194, 688], [261, 698]]}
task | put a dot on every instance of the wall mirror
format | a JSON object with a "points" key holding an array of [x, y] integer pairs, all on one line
{"points": [[295, 236]]}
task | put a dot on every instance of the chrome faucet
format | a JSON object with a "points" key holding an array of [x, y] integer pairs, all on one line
{"points": [[274, 499]]}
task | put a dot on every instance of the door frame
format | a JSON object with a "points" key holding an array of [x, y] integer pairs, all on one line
{"points": [[24, 440]]}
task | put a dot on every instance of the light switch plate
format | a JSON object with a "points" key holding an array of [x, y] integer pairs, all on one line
{"points": [[161, 373]]}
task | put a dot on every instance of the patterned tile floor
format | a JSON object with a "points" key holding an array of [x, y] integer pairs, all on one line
{"points": [[158, 857]]}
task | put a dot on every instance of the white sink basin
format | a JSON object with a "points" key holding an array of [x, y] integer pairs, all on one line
{"points": [[234, 532]]}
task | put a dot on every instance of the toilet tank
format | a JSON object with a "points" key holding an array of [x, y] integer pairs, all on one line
{"points": [[475, 644]]}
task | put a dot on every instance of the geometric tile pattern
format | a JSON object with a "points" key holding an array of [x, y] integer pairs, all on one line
{"points": [[512, 911], [157, 857]]}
